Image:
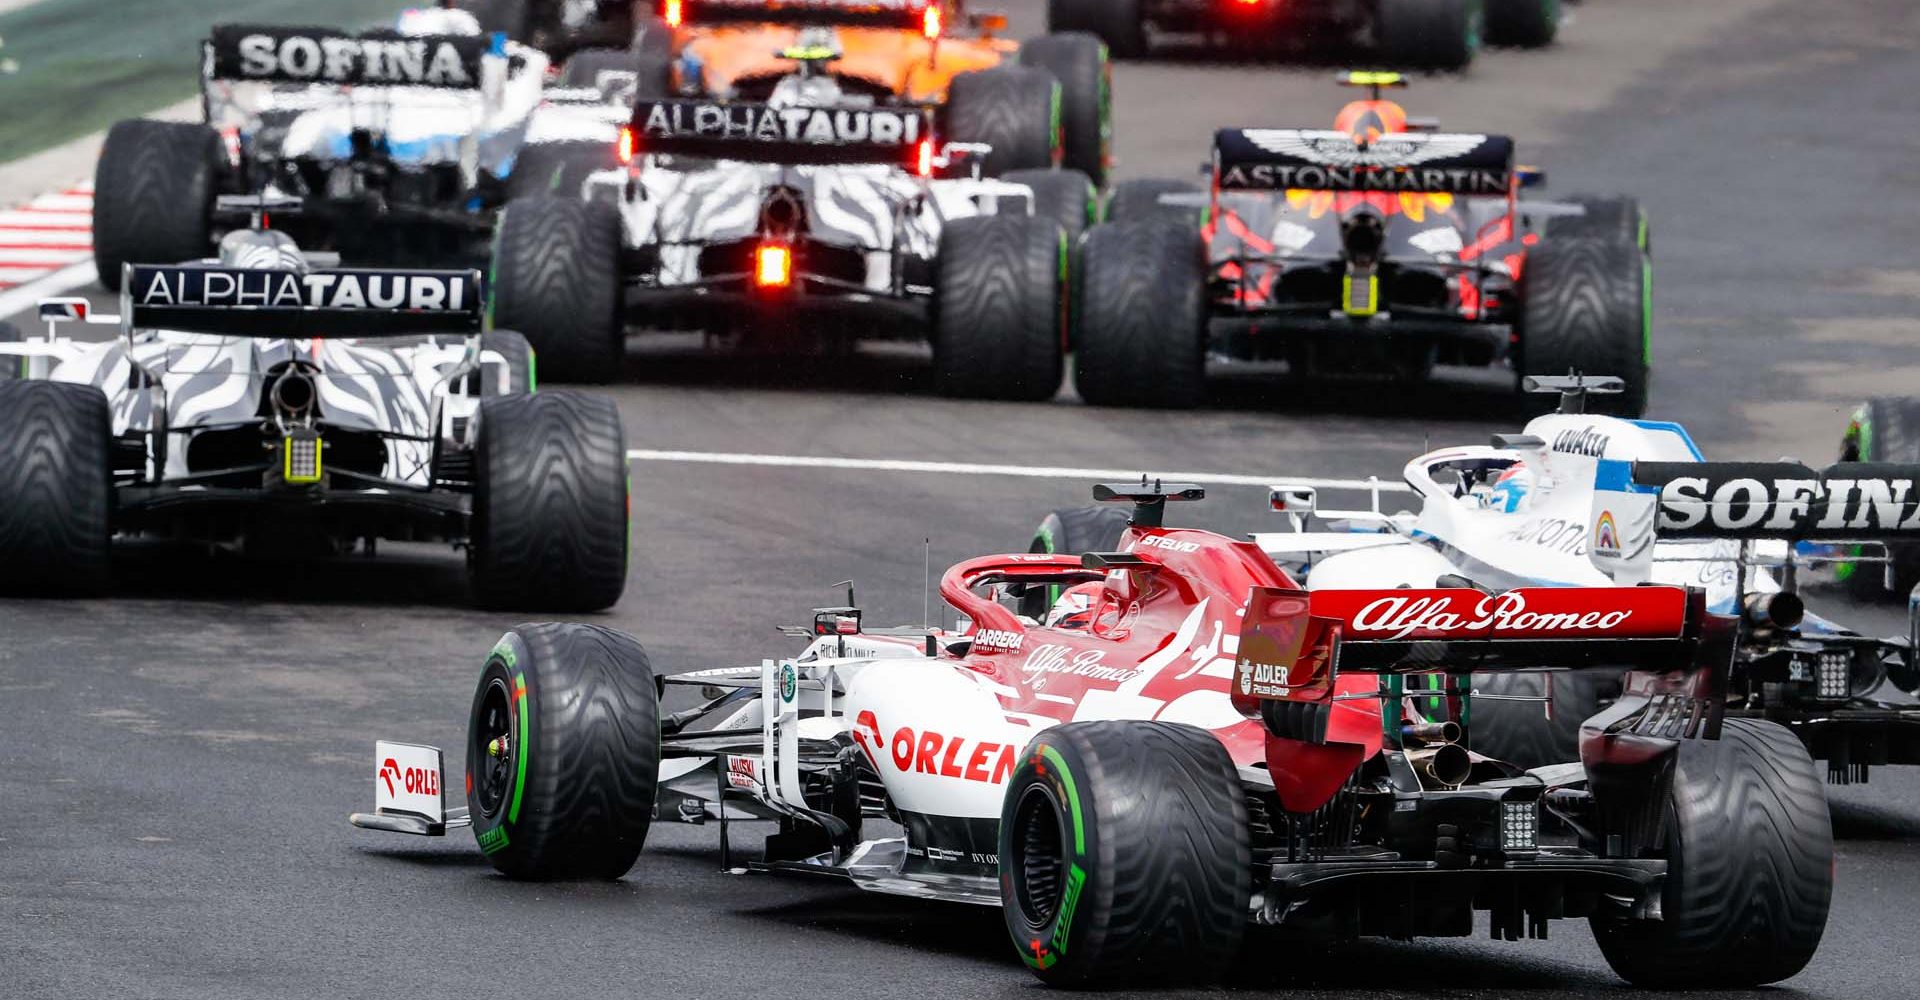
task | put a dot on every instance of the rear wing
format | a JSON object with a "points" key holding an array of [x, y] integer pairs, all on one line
{"points": [[1270, 159], [1638, 502], [910, 14], [301, 55], [322, 302], [788, 135]]}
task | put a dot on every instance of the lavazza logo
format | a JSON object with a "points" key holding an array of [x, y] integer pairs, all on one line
{"points": [[1391, 618], [760, 123], [335, 59]]}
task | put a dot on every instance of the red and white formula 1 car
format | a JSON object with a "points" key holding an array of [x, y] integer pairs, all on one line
{"points": [[1203, 747]]}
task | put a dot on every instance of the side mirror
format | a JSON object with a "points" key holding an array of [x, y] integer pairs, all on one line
{"points": [[1291, 500]]}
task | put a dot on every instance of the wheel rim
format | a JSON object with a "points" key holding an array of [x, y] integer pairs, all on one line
{"points": [[493, 750], [1039, 872]]}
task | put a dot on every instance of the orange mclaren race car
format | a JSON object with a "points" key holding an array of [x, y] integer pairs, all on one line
{"points": [[1431, 34], [1040, 103], [1381, 246]]}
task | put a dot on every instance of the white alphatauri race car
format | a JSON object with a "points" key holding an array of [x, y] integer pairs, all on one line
{"points": [[1207, 747], [1568, 502], [266, 398], [818, 214]]}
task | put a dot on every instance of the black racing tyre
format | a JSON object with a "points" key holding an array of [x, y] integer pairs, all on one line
{"points": [[1012, 109], [1520, 732], [508, 16], [1078, 61], [653, 73], [1139, 199], [1141, 334], [653, 37], [1115, 22], [563, 752], [549, 528], [153, 195], [997, 310], [1427, 34], [1527, 24], [558, 168], [1611, 217], [1587, 308], [56, 489], [1065, 196], [556, 279], [1749, 867], [1124, 855], [11, 367], [516, 357], [1883, 429], [1071, 531]]}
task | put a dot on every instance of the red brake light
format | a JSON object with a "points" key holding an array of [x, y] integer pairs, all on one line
{"points": [[626, 145], [923, 158], [929, 21], [772, 266], [670, 12]]}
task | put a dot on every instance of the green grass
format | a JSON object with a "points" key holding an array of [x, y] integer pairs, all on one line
{"points": [[84, 64]]}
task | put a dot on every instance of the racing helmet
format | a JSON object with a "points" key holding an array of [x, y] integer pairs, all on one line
{"points": [[265, 249], [1369, 120], [416, 21], [1074, 608], [1512, 489]]}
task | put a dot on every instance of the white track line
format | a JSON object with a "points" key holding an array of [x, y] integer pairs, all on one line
{"points": [[971, 469], [23, 298]]}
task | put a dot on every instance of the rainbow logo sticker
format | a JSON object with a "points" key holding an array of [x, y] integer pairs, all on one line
{"points": [[1606, 536]]}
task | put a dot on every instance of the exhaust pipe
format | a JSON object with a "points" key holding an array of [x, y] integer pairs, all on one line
{"points": [[293, 394], [1447, 765], [1429, 733], [1779, 609]]}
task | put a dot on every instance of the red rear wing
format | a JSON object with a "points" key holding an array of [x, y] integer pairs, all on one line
{"points": [[1293, 642]]}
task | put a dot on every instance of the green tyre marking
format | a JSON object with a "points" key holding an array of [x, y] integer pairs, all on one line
{"points": [[1073, 798], [1076, 877], [492, 841], [1646, 309], [520, 744], [533, 371]]}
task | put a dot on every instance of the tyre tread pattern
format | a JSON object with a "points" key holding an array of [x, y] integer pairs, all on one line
{"points": [[556, 279], [56, 493], [1584, 310], [1141, 336], [997, 308], [1009, 108], [152, 194]]}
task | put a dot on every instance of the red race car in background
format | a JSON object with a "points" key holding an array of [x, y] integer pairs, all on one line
{"points": [[1205, 748], [1380, 246]]}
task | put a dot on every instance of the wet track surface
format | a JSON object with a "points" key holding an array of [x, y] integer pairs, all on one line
{"points": [[177, 761]]}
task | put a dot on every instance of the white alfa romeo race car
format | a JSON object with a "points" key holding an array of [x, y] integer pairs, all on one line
{"points": [[1208, 746]]}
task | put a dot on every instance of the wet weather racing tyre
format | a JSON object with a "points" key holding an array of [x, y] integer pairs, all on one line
{"points": [[1884, 429], [563, 753], [153, 195], [549, 503], [1078, 62], [1115, 22], [1065, 196], [556, 279], [513, 374], [1124, 855], [558, 168], [1749, 868], [1520, 732], [1140, 339], [56, 494], [1139, 200], [1010, 108], [1427, 34], [1527, 24], [1607, 217], [1071, 531], [997, 308], [1585, 308]]}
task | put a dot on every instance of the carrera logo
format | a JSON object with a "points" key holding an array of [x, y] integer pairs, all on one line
{"points": [[1581, 441], [997, 640], [1163, 542], [935, 753], [1532, 613]]}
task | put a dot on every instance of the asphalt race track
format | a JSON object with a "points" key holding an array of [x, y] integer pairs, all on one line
{"points": [[177, 761]]}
